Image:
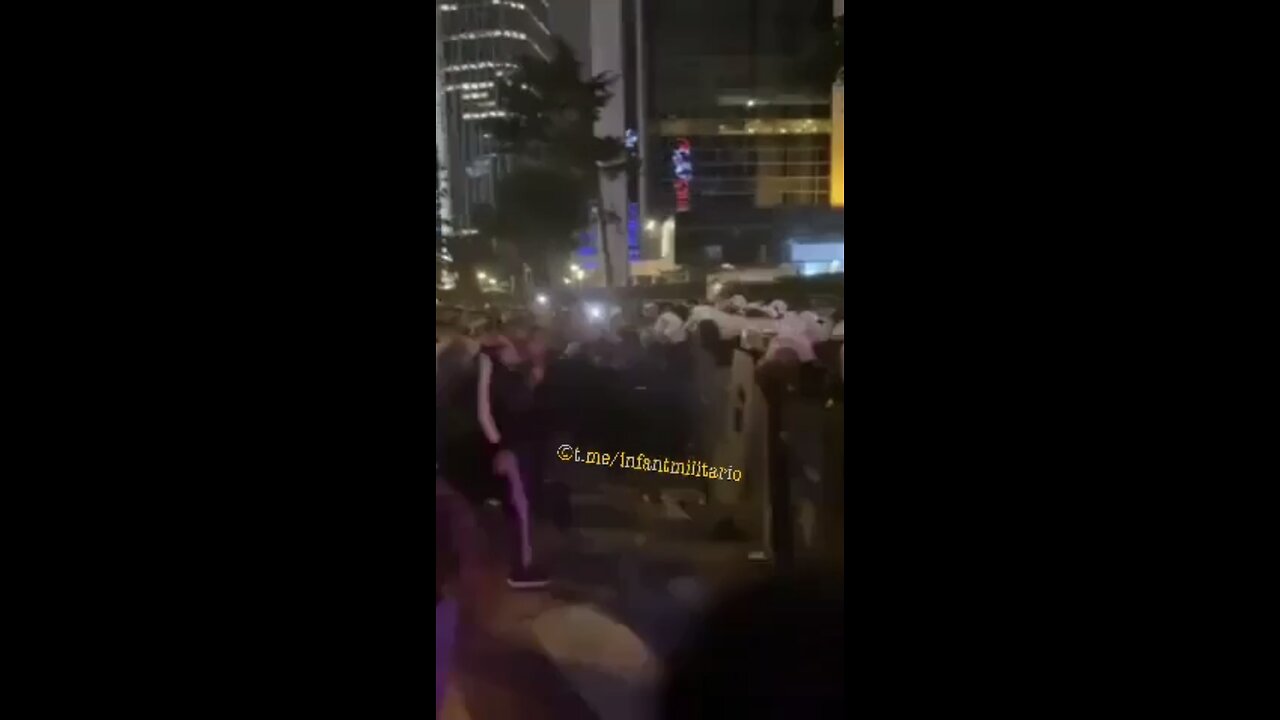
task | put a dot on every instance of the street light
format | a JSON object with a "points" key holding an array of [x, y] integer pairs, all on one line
{"points": [[651, 225], [574, 267], [579, 273], [480, 275], [542, 299], [567, 281]]}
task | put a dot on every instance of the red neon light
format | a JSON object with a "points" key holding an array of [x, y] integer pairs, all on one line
{"points": [[682, 196]]}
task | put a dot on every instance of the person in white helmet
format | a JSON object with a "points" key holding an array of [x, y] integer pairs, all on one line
{"points": [[669, 328]]}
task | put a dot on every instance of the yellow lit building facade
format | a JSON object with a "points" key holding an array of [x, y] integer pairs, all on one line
{"points": [[837, 146], [736, 150], [837, 131]]}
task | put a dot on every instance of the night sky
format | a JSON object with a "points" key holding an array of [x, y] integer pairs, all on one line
{"points": [[571, 20]]}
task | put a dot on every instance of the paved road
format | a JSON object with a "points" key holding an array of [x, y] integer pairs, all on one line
{"points": [[627, 580], [530, 655]]}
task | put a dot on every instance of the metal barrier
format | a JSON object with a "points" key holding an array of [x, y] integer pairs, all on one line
{"points": [[788, 442]]}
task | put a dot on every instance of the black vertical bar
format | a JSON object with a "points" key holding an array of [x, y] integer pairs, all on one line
{"points": [[781, 520], [833, 484]]}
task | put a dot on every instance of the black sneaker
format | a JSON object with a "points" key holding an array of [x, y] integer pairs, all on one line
{"points": [[528, 578]]}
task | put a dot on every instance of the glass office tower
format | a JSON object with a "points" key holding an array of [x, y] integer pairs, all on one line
{"points": [[480, 41]]}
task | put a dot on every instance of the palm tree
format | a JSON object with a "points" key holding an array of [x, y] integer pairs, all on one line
{"points": [[549, 132]]}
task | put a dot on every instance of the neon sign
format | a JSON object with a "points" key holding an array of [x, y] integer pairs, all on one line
{"points": [[682, 196], [682, 164]]}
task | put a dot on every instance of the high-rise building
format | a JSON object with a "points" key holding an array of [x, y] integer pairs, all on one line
{"points": [[444, 203], [479, 41], [735, 137]]}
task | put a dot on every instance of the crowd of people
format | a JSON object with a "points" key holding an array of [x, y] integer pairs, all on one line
{"points": [[504, 387], [511, 386], [508, 385]]}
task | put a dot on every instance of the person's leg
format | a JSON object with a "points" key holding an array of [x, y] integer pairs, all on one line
{"points": [[522, 546], [533, 467], [524, 573]]}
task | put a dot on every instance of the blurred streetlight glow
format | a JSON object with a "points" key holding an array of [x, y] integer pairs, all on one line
{"points": [[542, 299], [651, 225], [574, 267], [579, 273], [480, 275], [567, 281]]}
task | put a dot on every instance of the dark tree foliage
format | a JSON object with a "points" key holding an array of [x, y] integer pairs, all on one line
{"points": [[824, 64], [546, 196]]}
